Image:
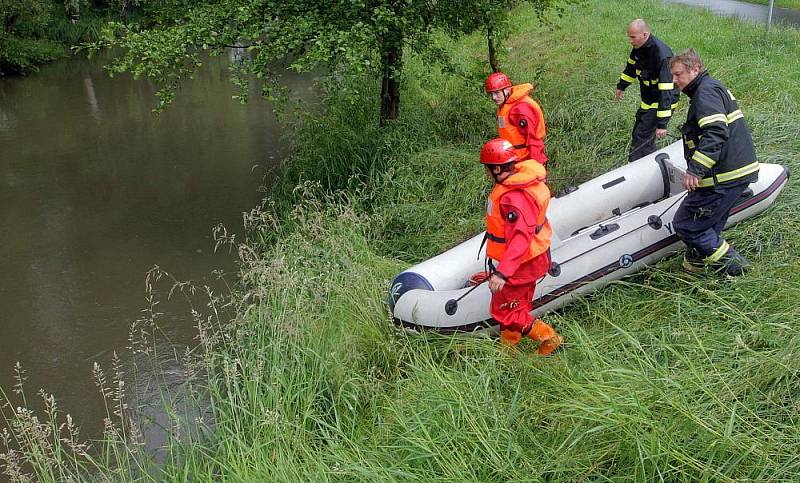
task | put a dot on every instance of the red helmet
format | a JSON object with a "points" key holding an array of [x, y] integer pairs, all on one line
{"points": [[496, 81], [498, 151]]}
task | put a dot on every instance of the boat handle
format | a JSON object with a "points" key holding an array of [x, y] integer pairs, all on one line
{"points": [[604, 230]]}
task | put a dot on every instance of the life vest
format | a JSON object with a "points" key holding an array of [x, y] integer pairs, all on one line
{"points": [[511, 133], [529, 177]]}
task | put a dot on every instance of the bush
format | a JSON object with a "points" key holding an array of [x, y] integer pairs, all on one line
{"points": [[40, 32], [21, 56]]}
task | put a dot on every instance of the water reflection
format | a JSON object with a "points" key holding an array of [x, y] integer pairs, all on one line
{"points": [[95, 190], [91, 98]]}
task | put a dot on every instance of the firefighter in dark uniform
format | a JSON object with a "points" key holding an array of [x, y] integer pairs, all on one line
{"points": [[649, 62], [721, 162]]}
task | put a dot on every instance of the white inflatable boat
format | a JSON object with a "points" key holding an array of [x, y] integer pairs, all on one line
{"points": [[603, 229]]}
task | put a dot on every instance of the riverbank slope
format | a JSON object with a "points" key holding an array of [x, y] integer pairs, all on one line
{"points": [[664, 376]]}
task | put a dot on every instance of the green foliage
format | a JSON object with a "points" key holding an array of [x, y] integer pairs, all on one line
{"points": [[350, 37], [24, 17], [22, 46], [120, 6], [22, 56], [34, 32]]}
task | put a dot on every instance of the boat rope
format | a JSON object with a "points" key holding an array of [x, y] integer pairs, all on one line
{"points": [[647, 143], [451, 306]]}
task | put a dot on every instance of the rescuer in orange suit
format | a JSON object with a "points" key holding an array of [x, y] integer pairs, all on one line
{"points": [[518, 239], [519, 118]]}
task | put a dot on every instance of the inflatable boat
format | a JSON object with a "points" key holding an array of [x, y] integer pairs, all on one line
{"points": [[603, 230]]}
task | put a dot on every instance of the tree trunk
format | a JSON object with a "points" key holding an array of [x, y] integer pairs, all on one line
{"points": [[492, 49], [390, 87], [10, 21]]}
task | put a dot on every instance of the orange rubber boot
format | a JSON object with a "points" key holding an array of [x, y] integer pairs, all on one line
{"points": [[545, 334], [550, 345], [510, 337]]}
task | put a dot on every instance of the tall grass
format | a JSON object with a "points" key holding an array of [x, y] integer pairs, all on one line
{"points": [[664, 376]]}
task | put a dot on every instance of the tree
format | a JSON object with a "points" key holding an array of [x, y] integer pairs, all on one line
{"points": [[354, 35], [23, 35], [13, 12]]}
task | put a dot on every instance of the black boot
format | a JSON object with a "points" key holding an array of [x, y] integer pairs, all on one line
{"points": [[732, 263], [693, 261]]}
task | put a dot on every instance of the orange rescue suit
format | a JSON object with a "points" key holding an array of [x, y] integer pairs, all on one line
{"points": [[512, 134], [529, 177]]}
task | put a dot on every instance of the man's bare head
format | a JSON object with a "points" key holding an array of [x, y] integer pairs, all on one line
{"points": [[638, 32]]}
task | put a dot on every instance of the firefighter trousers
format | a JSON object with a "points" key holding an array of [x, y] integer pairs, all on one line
{"points": [[702, 216], [643, 137]]}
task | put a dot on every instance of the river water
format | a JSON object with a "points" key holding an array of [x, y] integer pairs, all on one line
{"points": [[746, 11], [95, 190]]}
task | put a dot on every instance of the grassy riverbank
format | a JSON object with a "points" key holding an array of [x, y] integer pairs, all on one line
{"points": [[664, 376]]}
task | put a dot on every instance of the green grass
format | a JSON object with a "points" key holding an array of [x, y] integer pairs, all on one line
{"points": [[664, 376]]}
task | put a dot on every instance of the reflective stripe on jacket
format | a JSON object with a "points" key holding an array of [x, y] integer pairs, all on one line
{"points": [[511, 133], [717, 143], [650, 64], [529, 177]]}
